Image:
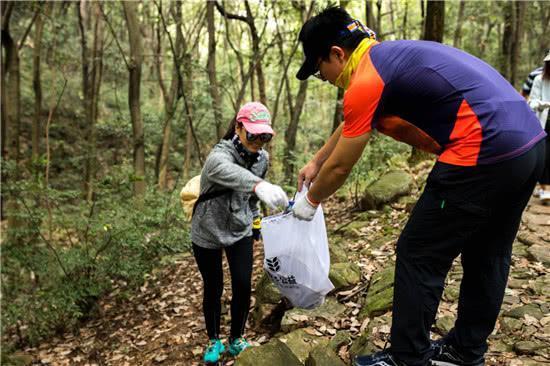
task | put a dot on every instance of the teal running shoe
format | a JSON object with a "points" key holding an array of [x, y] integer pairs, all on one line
{"points": [[238, 345], [213, 351]]}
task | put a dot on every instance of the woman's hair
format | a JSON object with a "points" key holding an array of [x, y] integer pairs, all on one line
{"points": [[230, 130], [546, 71]]}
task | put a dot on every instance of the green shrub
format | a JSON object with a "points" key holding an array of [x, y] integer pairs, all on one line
{"points": [[55, 267]]}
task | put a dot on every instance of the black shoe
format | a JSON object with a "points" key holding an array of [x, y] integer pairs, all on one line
{"points": [[383, 358], [447, 355]]}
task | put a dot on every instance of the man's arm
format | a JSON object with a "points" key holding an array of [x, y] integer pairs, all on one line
{"points": [[338, 166], [309, 172]]}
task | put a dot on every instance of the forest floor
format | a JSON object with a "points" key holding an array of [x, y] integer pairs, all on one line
{"points": [[162, 324]]}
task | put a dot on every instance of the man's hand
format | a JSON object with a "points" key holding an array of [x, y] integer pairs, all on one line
{"points": [[307, 174], [304, 209], [544, 105]]}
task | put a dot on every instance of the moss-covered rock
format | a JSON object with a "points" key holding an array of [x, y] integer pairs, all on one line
{"points": [[382, 280], [451, 292], [377, 304], [323, 356], [387, 189], [510, 325], [299, 318], [344, 274], [272, 353], [336, 250], [342, 337], [529, 309], [301, 342], [445, 324], [266, 292]]}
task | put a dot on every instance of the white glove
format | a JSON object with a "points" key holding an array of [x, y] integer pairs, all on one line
{"points": [[271, 194], [304, 209], [544, 105]]}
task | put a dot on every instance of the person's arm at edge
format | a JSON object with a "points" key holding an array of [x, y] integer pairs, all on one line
{"points": [[337, 167]]}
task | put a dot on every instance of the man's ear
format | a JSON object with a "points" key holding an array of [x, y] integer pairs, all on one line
{"points": [[338, 52]]}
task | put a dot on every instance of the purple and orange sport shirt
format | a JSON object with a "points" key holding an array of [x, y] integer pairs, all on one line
{"points": [[439, 99]]}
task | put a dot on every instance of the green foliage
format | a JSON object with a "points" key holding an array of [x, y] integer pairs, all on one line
{"points": [[55, 269]]}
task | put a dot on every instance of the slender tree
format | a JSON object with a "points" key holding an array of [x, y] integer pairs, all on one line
{"points": [[11, 113], [211, 67], [459, 20], [435, 21], [134, 68]]}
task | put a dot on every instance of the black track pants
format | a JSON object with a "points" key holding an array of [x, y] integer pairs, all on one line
{"points": [[239, 257], [474, 212]]}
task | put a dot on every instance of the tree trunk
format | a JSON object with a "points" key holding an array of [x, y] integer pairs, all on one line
{"points": [[256, 52], [95, 78], [211, 67], [92, 69], [291, 131], [519, 8], [459, 20], [369, 16], [435, 21], [405, 18], [134, 68], [170, 99], [506, 45], [37, 87], [12, 112], [433, 31]]}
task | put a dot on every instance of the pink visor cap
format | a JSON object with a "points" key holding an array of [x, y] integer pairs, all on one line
{"points": [[256, 118]]}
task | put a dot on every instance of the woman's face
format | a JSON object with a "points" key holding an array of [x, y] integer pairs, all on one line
{"points": [[252, 146]]}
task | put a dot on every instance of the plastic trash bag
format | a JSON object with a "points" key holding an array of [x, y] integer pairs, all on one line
{"points": [[297, 258]]}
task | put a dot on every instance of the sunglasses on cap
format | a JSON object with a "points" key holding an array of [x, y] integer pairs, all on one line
{"points": [[264, 137]]}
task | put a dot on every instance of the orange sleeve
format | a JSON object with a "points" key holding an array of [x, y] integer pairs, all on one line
{"points": [[361, 99]]}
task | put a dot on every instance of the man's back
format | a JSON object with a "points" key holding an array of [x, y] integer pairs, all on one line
{"points": [[461, 102]]}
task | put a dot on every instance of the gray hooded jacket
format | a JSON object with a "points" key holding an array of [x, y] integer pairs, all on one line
{"points": [[226, 219]]}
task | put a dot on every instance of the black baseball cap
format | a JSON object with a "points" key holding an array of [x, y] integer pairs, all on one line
{"points": [[332, 26]]}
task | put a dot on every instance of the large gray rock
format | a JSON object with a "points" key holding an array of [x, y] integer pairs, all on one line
{"points": [[527, 347], [266, 292], [510, 325], [272, 353], [301, 342], [323, 356], [529, 309], [541, 285], [387, 189], [539, 253], [299, 318], [344, 275]]}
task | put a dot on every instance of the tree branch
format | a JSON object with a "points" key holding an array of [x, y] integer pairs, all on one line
{"points": [[225, 14], [114, 35]]}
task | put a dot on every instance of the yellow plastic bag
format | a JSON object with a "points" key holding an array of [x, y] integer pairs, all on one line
{"points": [[189, 195]]}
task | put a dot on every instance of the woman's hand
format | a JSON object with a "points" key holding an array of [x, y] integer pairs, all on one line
{"points": [[272, 195]]}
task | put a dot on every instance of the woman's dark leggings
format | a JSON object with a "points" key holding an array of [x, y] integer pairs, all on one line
{"points": [[239, 256]]}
